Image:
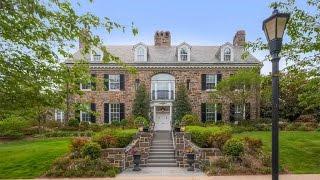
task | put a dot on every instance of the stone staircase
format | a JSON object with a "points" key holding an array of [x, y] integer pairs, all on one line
{"points": [[162, 151]]}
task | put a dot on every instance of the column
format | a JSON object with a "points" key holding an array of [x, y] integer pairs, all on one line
{"points": [[154, 113], [155, 91], [171, 113], [169, 84]]}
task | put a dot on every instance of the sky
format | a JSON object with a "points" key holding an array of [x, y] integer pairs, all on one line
{"points": [[197, 22]]}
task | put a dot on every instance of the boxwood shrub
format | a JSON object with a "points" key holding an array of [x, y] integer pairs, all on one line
{"points": [[114, 138], [234, 147], [209, 137]]}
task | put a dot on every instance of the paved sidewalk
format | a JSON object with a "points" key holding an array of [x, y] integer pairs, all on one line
{"points": [[160, 171]]}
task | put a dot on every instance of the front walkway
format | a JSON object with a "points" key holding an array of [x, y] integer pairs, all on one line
{"points": [[197, 176], [161, 171]]}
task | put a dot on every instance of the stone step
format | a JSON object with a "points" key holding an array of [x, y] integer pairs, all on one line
{"points": [[161, 153], [162, 142], [161, 147], [169, 156], [162, 150], [162, 164], [161, 161]]}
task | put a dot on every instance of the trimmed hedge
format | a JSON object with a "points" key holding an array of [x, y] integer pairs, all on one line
{"points": [[234, 147], [13, 127], [209, 137], [117, 138]]}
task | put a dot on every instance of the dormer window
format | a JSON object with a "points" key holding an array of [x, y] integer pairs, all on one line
{"points": [[183, 54], [96, 55], [227, 54], [140, 53]]}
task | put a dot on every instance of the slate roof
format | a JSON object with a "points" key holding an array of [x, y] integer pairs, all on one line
{"points": [[168, 55]]}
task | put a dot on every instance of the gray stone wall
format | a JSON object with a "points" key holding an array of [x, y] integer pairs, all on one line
{"points": [[123, 157], [183, 145]]}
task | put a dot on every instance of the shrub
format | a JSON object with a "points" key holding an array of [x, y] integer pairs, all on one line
{"points": [[253, 144], [77, 144], [307, 118], [141, 121], [67, 167], [13, 127], [190, 119], [68, 133], [83, 126], [206, 137], [233, 147], [73, 123], [117, 138], [91, 150]]}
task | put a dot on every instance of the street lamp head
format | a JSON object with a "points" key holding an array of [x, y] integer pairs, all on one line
{"points": [[274, 28]]}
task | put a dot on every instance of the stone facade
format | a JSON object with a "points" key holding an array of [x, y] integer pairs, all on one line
{"points": [[195, 93]]}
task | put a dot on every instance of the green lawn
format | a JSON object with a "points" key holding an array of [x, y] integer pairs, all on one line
{"points": [[30, 158], [299, 151]]}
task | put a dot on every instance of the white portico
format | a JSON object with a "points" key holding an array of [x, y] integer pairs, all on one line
{"points": [[162, 96]]}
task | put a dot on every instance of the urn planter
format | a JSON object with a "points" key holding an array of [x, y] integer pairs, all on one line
{"points": [[190, 161]]}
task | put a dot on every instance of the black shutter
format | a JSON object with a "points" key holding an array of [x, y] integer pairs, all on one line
{"points": [[122, 82], [188, 84], [247, 111], [203, 112], [106, 112], [219, 110], [93, 82], [106, 82], [232, 112], [93, 109], [219, 77], [77, 115], [122, 113], [203, 81]]}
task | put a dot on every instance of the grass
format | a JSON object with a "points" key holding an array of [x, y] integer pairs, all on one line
{"points": [[30, 158], [299, 150]]}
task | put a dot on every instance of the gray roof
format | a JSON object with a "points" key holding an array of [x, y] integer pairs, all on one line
{"points": [[168, 55]]}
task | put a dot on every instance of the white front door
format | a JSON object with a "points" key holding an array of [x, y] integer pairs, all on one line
{"points": [[162, 121]]}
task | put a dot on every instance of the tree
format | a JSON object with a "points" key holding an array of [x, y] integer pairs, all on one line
{"points": [[35, 36], [238, 88], [181, 105], [141, 103]]}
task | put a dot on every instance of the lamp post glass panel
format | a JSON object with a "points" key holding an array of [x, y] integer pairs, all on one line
{"points": [[274, 28]]}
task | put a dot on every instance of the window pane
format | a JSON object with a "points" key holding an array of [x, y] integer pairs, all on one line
{"points": [[210, 81], [210, 112], [114, 112], [114, 82]]}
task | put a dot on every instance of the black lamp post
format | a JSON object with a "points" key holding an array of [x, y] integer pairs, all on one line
{"points": [[274, 28]]}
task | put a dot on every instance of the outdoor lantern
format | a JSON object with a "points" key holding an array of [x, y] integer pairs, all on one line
{"points": [[274, 28]]}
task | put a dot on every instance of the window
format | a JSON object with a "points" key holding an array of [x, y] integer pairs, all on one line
{"points": [[96, 55], [188, 84], [211, 80], [137, 83], [114, 112], [140, 54], [85, 115], [211, 112], [227, 54], [238, 109], [59, 115], [183, 54], [114, 82], [85, 87]]}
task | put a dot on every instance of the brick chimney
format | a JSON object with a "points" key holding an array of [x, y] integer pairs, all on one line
{"points": [[162, 39], [239, 38]]}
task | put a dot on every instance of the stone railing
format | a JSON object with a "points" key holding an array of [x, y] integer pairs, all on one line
{"points": [[123, 157], [183, 145]]}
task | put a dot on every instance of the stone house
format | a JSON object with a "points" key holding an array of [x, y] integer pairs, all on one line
{"points": [[161, 67]]}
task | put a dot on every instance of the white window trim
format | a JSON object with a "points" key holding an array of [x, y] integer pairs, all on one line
{"points": [[215, 83], [188, 53], [215, 112], [109, 84], [61, 115], [231, 53], [110, 120], [97, 50], [81, 112], [145, 59], [90, 89]]}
